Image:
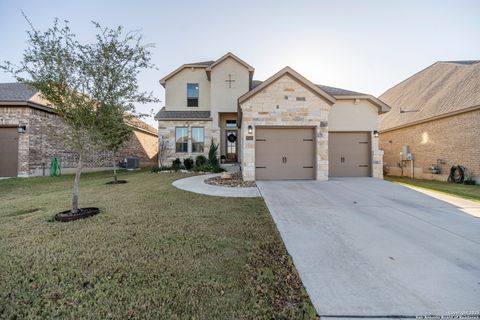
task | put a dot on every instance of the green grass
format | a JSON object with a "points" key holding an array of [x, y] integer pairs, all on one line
{"points": [[154, 252], [460, 190]]}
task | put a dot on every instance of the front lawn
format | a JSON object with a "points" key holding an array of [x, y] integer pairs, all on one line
{"points": [[154, 252], [461, 190]]}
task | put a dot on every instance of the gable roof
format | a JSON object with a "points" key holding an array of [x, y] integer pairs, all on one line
{"points": [[225, 57], [138, 124], [444, 88], [288, 71], [16, 92], [208, 66]]}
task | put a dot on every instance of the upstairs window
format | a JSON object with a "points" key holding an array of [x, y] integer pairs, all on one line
{"points": [[181, 139], [192, 94]]}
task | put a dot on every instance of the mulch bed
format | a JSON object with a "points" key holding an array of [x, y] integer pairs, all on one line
{"points": [[117, 182], [82, 213], [236, 181]]}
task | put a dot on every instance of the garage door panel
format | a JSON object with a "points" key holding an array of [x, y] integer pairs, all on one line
{"points": [[349, 154], [284, 153], [8, 152]]}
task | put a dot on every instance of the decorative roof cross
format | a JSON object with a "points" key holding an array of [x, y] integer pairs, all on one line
{"points": [[229, 80]]}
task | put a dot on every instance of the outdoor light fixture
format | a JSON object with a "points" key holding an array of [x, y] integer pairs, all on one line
{"points": [[22, 128], [375, 133], [250, 129]]}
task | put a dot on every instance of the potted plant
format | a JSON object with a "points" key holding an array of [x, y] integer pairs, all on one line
{"points": [[468, 178], [223, 159]]}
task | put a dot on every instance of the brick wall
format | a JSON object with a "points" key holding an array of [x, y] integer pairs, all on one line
{"points": [[143, 145], [44, 139], [455, 139]]}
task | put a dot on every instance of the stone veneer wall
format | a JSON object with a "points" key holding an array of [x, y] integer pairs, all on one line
{"points": [[37, 146], [455, 139], [276, 105], [166, 131]]}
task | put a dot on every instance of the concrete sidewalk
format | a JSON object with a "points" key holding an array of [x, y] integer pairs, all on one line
{"points": [[197, 184]]}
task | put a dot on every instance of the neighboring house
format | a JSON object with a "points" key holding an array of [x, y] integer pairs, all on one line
{"points": [[27, 143], [435, 116], [283, 128]]}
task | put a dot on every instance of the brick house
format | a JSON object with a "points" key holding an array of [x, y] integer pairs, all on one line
{"points": [[435, 117], [285, 127], [27, 145]]}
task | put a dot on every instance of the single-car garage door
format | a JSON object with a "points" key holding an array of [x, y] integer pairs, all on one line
{"points": [[284, 153], [8, 152], [349, 154]]}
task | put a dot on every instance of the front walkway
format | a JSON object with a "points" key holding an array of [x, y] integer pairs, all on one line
{"points": [[197, 184], [371, 248]]}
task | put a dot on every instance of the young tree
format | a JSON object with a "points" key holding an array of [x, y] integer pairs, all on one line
{"points": [[116, 59], [113, 132], [164, 151], [84, 82]]}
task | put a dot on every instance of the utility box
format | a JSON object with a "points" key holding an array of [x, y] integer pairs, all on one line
{"points": [[132, 163]]}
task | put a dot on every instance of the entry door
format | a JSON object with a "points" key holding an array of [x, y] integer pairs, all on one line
{"points": [[8, 152], [231, 144], [349, 154], [284, 153]]}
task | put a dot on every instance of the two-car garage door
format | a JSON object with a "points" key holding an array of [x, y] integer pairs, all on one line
{"points": [[289, 153]]}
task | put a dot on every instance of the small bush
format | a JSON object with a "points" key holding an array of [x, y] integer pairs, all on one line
{"points": [[176, 164], [188, 163], [159, 169], [206, 167], [200, 161]]}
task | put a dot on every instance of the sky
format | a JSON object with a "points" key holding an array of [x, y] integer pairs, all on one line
{"points": [[365, 46]]}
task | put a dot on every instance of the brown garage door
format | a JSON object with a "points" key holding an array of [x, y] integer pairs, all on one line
{"points": [[8, 152], [349, 154], [284, 153]]}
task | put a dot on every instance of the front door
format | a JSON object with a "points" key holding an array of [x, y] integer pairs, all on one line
{"points": [[231, 145]]}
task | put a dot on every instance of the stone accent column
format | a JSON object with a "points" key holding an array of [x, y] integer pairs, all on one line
{"points": [[322, 151], [377, 164]]}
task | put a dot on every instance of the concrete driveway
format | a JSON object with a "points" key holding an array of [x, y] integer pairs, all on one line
{"points": [[372, 248]]}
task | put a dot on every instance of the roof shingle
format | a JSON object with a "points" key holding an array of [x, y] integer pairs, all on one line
{"points": [[163, 114], [16, 92], [441, 88]]}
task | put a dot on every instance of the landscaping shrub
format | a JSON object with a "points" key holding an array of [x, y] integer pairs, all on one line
{"points": [[212, 155], [200, 161], [188, 163], [160, 168], [176, 164]]}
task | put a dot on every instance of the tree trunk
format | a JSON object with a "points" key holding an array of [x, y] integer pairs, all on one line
{"points": [[115, 166], [76, 185]]}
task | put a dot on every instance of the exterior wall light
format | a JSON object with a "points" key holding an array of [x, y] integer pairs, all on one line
{"points": [[250, 129], [22, 128], [375, 133]]}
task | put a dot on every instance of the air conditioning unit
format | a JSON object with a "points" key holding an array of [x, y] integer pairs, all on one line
{"points": [[132, 163]]}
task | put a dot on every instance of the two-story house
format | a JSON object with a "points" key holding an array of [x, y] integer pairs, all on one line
{"points": [[285, 127]]}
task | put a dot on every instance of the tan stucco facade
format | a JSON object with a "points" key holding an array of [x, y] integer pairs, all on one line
{"points": [[176, 90], [224, 94]]}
